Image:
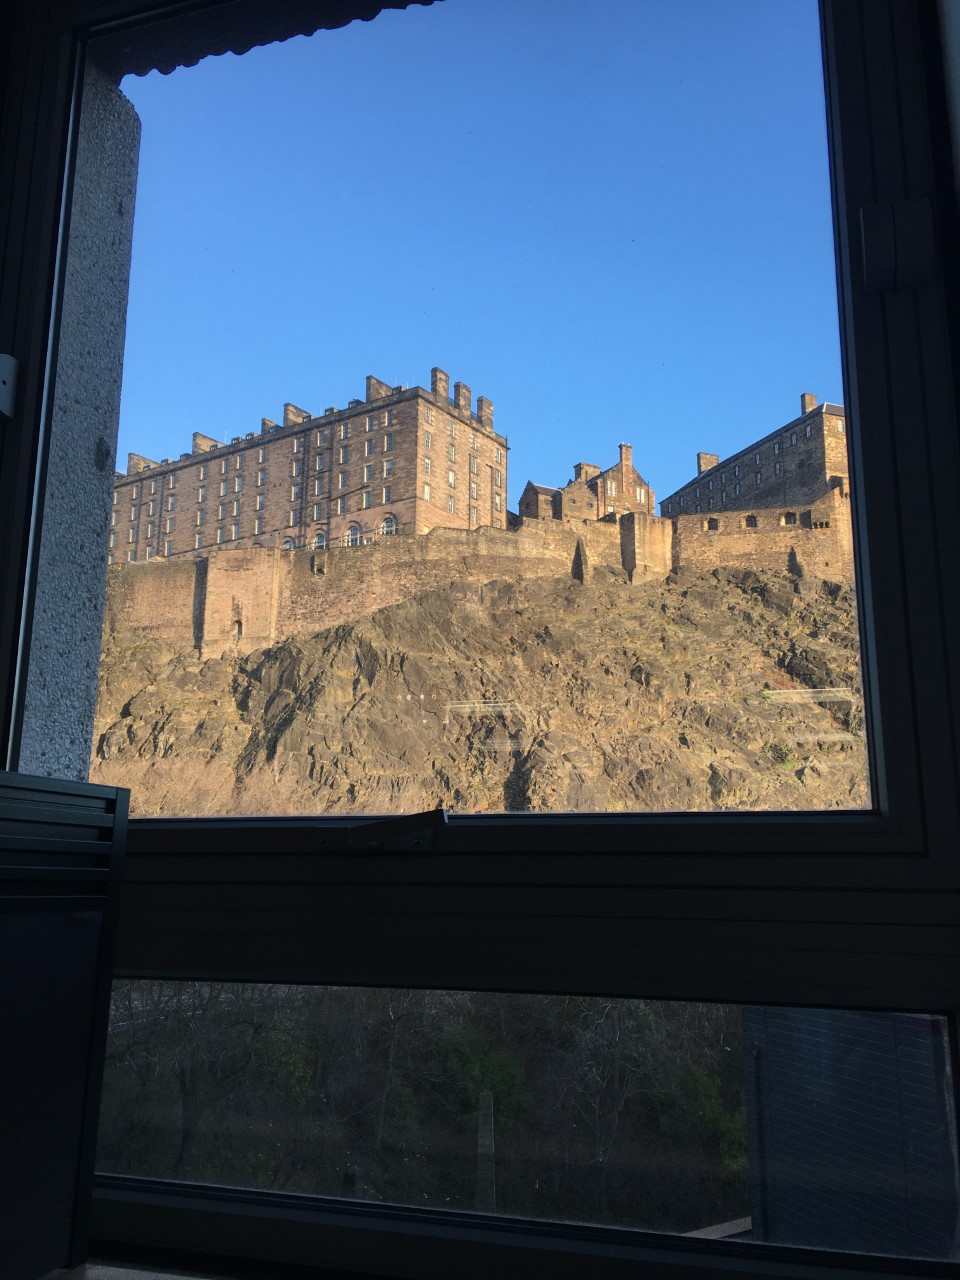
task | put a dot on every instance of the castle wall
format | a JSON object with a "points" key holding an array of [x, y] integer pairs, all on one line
{"points": [[155, 599], [646, 545], [820, 543]]}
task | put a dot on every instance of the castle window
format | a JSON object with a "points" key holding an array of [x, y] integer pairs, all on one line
{"points": [[426, 493], [473, 515], [497, 480], [452, 452], [452, 479], [777, 468], [130, 555], [151, 508], [710, 504], [723, 477], [452, 504], [453, 430], [497, 502], [344, 454], [237, 484], [341, 479], [171, 502], [389, 526], [116, 497], [153, 486], [788, 517], [149, 553], [698, 491], [238, 462], [223, 469], [353, 536], [758, 478], [236, 506], [473, 490], [198, 541], [234, 531], [294, 518], [113, 539], [756, 459], [793, 437], [736, 489], [133, 514], [840, 428], [388, 418], [609, 510], [223, 488], [641, 495], [387, 493], [474, 444], [776, 446], [497, 523], [723, 495], [219, 537], [320, 541], [368, 422], [388, 442], [318, 511], [261, 454], [474, 467], [499, 457], [712, 525], [135, 493], [261, 477], [318, 462], [151, 529], [750, 522], [298, 444], [202, 493], [221, 510], [611, 488], [261, 499], [426, 466], [320, 439], [113, 518], [709, 484], [366, 500], [368, 448], [808, 430], [345, 430], [736, 469], [341, 506], [318, 487], [171, 480], [258, 525], [428, 439], [201, 516], [288, 544], [427, 416], [387, 468], [367, 474], [697, 508], [169, 525]]}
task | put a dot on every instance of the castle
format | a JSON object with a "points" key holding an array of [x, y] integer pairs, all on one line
{"points": [[781, 503]]}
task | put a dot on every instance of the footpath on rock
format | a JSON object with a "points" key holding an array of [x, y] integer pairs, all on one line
{"points": [[722, 690]]}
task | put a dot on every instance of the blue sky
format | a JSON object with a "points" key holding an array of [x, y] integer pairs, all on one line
{"points": [[615, 226]]}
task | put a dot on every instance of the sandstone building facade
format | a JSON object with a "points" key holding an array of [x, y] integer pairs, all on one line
{"points": [[402, 460], [592, 494]]}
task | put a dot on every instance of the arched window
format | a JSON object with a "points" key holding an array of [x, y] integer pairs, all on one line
{"points": [[320, 541], [389, 526], [288, 544], [353, 536]]}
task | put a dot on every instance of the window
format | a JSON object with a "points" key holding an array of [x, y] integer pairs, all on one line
{"points": [[498, 523], [261, 501], [288, 544], [474, 466], [428, 439], [238, 461], [318, 487], [153, 486], [497, 502], [426, 493], [220, 536], [223, 488], [234, 532], [756, 459], [296, 467], [723, 477], [197, 541], [776, 446], [344, 430], [116, 497], [793, 437], [151, 529], [473, 515], [353, 536], [366, 500], [818, 956], [368, 448], [710, 504], [452, 479], [135, 493], [750, 522], [736, 469], [296, 491], [452, 504], [427, 415], [341, 506], [320, 439], [758, 478], [788, 517], [389, 526], [236, 506], [368, 423], [318, 511], [151, 508], [452, 452], [452, 428], [473, 490], [237, 484], [341, 479], [367, 475], [344, 454], [261, 478], [294, 517], [388, 418], [426, 466], [777, 467], [202, 493], [320, 541], [258, 525], [168, 527], [709, 484], [497, 479], [298, 444], [149, 553], [261, 456], [736, 489], [113, 540], [611, 487], [221, 510], [386, 494], [223, 466], [474, 443], [499, 457], [318, 462], [387, 468], [201, 516], [808, 430], [388, 442]]}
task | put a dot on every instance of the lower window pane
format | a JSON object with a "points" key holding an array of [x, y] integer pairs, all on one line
{"points": [[805, 1127]]}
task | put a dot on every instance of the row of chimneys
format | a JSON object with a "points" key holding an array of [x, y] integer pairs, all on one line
{"points": [[587, 470]]}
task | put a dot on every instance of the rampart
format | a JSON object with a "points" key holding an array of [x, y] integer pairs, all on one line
{"points": [[249, 598]]}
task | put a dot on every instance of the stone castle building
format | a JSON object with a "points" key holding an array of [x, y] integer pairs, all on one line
{"points": [[402, 460], [592, 494]]}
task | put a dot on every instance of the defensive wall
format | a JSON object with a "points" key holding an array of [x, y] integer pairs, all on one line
{"points": [[249, 598]]}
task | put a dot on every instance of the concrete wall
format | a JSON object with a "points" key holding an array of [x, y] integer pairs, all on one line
{"points": [[64, 656]]}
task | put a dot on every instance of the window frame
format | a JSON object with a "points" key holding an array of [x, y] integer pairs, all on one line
{"points": [[705, 906]]}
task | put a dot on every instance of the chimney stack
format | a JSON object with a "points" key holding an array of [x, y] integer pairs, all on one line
{"points": [[485, 411], [807, 402], [376, 389], [440, 384], [626, 456], [705, 461], [461, 396]]}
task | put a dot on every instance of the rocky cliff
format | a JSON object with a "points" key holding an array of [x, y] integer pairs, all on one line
{"points": [[731, 689]]}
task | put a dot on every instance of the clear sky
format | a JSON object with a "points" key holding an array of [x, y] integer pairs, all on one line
{"points": [[613, 221]]}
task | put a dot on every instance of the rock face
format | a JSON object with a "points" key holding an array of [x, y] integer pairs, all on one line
{"points": [[722, 690]]}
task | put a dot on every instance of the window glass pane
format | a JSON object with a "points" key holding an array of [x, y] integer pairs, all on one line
{"points": [[805, 1127], [643, 599]]}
